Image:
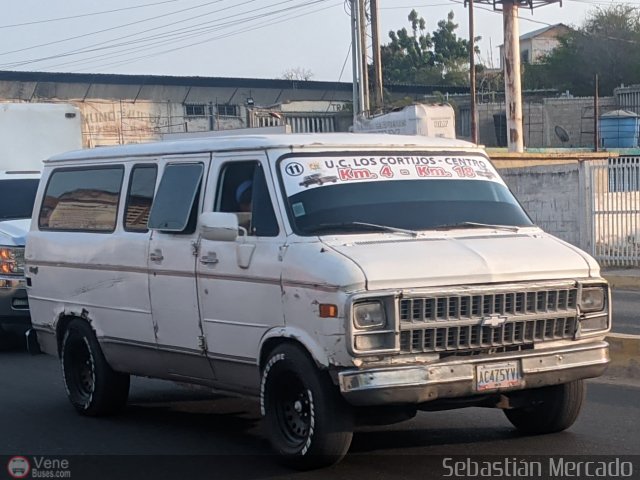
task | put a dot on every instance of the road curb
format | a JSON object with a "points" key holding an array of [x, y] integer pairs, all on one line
{"points": [[624, 351], [624, 282]]}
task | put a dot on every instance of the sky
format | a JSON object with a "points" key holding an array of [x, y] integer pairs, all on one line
{"points": [[229, 38]]}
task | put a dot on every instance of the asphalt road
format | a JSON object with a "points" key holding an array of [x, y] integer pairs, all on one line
{"points": [[626, 311], [164, 421]]}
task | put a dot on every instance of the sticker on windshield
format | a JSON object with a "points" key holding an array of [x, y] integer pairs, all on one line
{"points": [[305, 173], [298, 209]]}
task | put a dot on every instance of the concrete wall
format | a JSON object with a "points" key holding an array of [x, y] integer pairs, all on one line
{"points": [[552, 197], [540, 119]]}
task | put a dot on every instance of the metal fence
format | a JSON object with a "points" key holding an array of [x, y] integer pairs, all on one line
{"points": [[613, 195]]}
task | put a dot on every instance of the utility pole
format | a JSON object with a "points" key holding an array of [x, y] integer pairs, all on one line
{"points": [[364, 64], [378, 102], [596, 116], [512, 82], [472, 75], [354, 61], [511, 62]]}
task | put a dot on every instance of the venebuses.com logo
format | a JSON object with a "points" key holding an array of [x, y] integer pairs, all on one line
{"points": [[18, 467]]}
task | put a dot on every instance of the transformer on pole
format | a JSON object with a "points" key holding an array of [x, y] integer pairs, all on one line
{"points": [[511, 63]]}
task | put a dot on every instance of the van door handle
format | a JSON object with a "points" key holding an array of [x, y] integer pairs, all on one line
{"points": [[209, 259], [156, 256]]}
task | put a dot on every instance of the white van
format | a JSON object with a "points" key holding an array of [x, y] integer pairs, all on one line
{"points": [[336, 277]]}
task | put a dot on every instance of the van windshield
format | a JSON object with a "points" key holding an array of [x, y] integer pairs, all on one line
{"points": [[17, 198], [361, 193]]}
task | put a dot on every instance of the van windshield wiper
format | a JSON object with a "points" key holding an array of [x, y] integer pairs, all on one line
{"points": [[358, 226], [453, 226]]}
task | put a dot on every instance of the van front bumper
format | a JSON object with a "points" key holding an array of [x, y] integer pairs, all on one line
{"points": [[14, 306], [417, 384]]}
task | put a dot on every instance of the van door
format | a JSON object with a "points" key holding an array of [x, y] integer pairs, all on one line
{"points": [[172, 260], [239, 281]]}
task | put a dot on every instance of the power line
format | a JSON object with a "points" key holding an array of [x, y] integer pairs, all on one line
{"points": [[277, 20], [109, 29], [189, 29], [83, 15]]}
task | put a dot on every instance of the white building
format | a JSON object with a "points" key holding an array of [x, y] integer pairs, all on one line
{"points": [[538, 43]]}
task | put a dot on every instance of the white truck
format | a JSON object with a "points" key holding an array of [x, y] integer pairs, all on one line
{"points": [[418, 119], [29, 133]]}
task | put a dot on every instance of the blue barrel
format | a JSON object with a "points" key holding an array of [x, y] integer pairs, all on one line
{"points": [[619, 129]]}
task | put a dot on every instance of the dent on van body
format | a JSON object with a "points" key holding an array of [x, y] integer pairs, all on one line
{"points": [[313, 274]]}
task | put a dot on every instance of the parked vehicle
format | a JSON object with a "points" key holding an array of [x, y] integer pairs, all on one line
{"points": [[29, 133], [419, 119], [411, 283]]}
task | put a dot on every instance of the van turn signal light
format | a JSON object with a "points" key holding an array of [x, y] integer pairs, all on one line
{"points": [[328, 310]]}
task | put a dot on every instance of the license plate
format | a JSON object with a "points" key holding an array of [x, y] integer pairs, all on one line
{"points": [[492, 376]]}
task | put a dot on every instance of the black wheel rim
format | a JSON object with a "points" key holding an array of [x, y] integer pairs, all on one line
{"points": [[80, 369], [294, 409]]}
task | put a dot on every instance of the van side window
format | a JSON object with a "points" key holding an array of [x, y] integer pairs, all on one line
{"points": [[142, 184], [82, 199], [242, 189], [173, 209]]}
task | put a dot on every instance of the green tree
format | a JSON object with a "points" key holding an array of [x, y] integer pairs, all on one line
{"points": [[421, 57], [607, 44]]}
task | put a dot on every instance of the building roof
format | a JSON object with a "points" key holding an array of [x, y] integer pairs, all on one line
{"points": [[233, 82], [539, 31]]}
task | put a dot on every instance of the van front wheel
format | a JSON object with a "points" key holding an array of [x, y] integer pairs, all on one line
{"points": [[552, 409], [93, 388], [308, 422]]}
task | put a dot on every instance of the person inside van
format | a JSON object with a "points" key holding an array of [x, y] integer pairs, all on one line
{"points": [[244, 194]]}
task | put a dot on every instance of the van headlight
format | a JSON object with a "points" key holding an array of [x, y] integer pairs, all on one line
{"points": [[11, 260], [593, 299], [369, 316]]}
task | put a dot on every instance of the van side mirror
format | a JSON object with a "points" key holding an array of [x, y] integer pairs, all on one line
{"points": [[218, 226]]}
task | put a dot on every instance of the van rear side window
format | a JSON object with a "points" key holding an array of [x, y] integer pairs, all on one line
{"points": [[82, 199]]}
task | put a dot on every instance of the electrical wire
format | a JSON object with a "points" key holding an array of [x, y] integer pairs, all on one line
{"points": [[190, 29], [219, 37], [83, 15]]}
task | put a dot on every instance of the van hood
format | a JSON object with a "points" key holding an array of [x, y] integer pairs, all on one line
{"points": [[14, 232], [452, 258]]}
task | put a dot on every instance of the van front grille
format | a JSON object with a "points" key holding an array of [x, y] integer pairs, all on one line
{"points": [[469, 337], [482, 318]]}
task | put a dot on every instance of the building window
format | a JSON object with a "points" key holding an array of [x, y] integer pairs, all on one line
{"points": [[524, 56], [226, 110], [195, 110]]}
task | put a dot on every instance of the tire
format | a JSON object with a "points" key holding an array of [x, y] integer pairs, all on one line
{"points": [[553, 409], [93, 388], [309, 424]]}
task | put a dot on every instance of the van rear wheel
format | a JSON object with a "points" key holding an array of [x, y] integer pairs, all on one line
{"points": [[552, 409], [93, 388], [308, 422]]}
